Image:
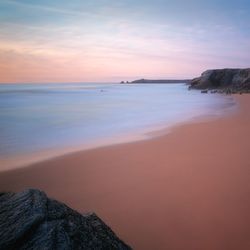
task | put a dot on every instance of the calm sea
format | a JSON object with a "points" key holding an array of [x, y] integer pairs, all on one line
{"points": [[40, 118]]}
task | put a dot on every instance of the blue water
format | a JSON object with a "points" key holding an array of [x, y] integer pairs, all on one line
{"points": [[44, 117]]}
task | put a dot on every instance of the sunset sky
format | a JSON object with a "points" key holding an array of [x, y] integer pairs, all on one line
{"points": [[114, 40]]}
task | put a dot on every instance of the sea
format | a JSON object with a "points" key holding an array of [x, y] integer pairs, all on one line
{"points": [[39, 121]]}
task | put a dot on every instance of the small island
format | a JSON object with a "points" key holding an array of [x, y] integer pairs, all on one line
{"points": [[159, 81]]}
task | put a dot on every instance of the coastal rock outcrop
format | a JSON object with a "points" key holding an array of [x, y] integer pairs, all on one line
{"points": [[232, 79], [30, 220], [160, 81]]}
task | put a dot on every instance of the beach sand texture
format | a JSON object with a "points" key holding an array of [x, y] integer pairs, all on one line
{"points": [[189, 189]]}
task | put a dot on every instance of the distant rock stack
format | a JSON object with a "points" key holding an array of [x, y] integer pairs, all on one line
{"points": [[30, 220], [229, 80]]}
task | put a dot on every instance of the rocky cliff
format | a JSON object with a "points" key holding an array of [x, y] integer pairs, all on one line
{"points": [[30, 220], [235, 79]]}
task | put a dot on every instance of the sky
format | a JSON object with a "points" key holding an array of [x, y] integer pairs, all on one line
{"points": [[115, 40]]}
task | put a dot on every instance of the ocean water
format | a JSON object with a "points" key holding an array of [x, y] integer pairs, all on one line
{"points": [[40, 118]]}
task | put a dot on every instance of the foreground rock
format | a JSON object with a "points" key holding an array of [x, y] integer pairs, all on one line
{"points": [[227, 80], [30, 220]]}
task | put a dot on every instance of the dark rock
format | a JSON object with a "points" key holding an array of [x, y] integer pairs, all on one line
{"points": [[30, 220], [204, 91], [231, 80], [214, 91]]}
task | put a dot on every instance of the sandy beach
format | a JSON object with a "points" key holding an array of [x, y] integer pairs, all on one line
{"points": [[185, 190]]}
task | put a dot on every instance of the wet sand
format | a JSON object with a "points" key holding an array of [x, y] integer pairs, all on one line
{"points": [[189, 189]]}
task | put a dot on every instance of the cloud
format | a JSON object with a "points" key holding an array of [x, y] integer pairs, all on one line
{"points": [[47, 8], [84, 40]]}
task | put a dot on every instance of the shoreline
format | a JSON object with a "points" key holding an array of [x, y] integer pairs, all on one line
{"points": [[188, 189], [146, 133]]}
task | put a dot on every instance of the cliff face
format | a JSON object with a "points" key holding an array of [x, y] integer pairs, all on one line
{"points": [[237, 79], [30, 220]]}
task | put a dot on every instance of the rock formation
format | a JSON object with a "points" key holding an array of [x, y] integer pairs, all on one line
{"points": [[160, 81], [229, 79], [30, 220]]}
